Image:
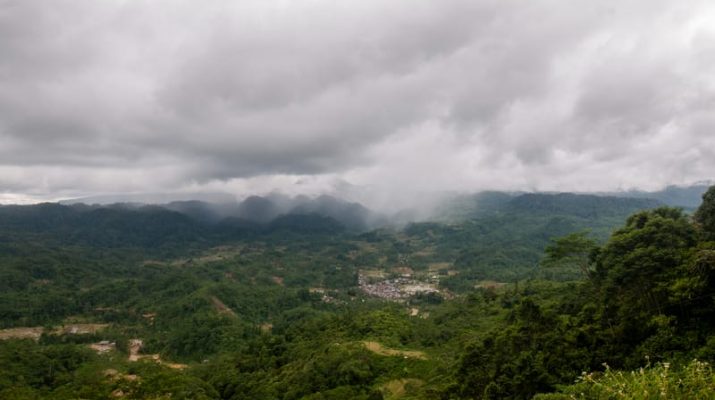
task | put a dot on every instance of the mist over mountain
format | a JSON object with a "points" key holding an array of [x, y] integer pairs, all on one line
{"points": [[364, 207], [198, 221], [688, 197], [153, 198], [464, 207], [261, 210], [265, 209]]}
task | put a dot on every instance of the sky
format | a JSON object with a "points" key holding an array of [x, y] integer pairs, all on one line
{"points": [[390, 97]]}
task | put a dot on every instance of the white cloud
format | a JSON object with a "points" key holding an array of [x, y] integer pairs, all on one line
{"points": [[402, 96]]}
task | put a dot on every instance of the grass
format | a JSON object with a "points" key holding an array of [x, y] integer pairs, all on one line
{"points": [[378, 348], [693, 381]]}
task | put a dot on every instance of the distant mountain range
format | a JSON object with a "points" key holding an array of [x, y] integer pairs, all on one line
{"points": [[688, 197], [135, 224], [481, 204], [152, 198], [466, 206], [215, 207], [263, 210]]}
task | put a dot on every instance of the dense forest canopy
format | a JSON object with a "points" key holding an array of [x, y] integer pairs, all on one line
{"points": [[520, 297]]}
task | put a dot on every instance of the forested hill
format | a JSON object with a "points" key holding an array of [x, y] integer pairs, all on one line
{"points": [[518, 302], [146, 227], [194, 222], [465, 207], [688, 197], [262, 210], [579, 204]]}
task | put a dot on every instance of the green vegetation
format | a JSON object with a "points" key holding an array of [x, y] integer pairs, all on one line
{"points": [[694, 380], [517, 300], [705, 215]]}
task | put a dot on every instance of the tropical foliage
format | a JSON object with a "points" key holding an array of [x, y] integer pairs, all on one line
{"points": [[522, 301]]}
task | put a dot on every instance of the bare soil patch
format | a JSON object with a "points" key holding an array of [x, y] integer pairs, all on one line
{"points": [[378, 348], [135, 346], [79, 329], [221, 307], [489, 285], [21, 333], [103, 347], [397, 388], [35, 332]]}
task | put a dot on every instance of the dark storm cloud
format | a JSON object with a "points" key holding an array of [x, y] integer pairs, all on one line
{"points": [[146, 95]]}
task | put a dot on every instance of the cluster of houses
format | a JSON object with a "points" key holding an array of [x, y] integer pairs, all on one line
{"points": [[394, 289]]}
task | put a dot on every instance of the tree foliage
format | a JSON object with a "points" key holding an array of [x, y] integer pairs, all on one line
{"points": [[572, 249], [705, 214], [278, 313]]}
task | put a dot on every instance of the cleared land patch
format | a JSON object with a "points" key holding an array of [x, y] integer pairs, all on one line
{"points": [[34, 332], [220, 253], [79, 329], [22, 333], [489, 285], [378, 348], [135, 346], [222, 308], [397, 388]]}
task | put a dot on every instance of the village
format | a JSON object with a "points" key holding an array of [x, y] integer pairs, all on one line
{"points": [[397, 288]]}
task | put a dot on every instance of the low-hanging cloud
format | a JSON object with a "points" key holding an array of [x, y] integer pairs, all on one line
{"points": [[115, 96]]}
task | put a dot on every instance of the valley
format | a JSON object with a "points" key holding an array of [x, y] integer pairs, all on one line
{"points": [[451, 309]]}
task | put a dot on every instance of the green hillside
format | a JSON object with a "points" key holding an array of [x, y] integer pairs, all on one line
{"points": [[102, 302]]}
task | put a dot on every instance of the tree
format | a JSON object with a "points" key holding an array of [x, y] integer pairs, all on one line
{"points": [[705, 215], [571, 250], [635, 273]]}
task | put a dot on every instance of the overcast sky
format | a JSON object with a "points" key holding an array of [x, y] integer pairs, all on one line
{"points": [[398, 96]]}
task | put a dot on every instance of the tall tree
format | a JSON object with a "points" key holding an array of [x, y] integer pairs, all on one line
{"points": [[705, 215], [635, 272], [571, 250]]}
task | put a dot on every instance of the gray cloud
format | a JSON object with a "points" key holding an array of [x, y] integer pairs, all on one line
{"points": [[401, 96]]}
